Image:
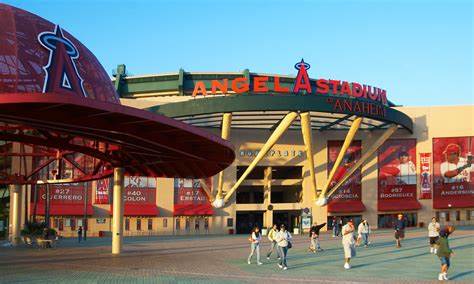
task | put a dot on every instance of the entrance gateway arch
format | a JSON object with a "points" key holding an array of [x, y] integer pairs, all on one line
{"points": [[245, 100], [61, 121]]}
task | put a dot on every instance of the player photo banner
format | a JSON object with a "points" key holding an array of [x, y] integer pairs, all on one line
{"points": [[102, 191], [397, 178], [453, 172], [349, 196], [425, 175], [140, 190], [190, 198]]}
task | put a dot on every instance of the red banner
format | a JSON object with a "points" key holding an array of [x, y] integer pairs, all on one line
{"points": [[102, 191], [397, 176], [453, 172], [65, 199], [348, 198], [139, 197], [140, 190], [190, 199], [425, 175]]}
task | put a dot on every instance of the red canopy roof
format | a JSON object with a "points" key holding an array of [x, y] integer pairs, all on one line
{"points": [[193, 209], [139, 210], [398, 205], [346, 206], [51, 83]]}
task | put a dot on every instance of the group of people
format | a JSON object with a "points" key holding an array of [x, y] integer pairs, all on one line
{"points": [[281, 239]]}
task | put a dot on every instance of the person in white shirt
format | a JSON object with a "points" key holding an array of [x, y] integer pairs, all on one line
{"points": [[272, 234], [433, 234], [284, 243], [406, 169], [456, 168], [255, 239], [348, 243], [363, 231]]}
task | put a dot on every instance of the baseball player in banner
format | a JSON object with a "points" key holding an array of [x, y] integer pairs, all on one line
{"points": [[453, 172]]}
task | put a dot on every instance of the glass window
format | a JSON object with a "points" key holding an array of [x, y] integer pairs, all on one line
{"points": [[165, 223], [388, 220], [178, 224], [127, 224], [150, 224], [230, 222], [139, 224]]}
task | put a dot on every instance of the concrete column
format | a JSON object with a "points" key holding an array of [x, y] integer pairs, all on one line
{"points": [[117, 225], [15, 213]]}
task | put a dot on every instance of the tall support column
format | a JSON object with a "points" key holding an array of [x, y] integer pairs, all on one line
{"points": [[117, 225], [15, 213], [225, 134], [281, 128], [267, 197], [375, 146], [347, 142], [308, 143]]}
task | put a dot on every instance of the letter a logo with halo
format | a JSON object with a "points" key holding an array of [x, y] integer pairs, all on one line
{"points": [[61, 72]]}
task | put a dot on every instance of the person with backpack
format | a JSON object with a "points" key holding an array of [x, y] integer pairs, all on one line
{"points": [[284, 243], [255, 238], [272, 234], [444, 252], [314, 237]]}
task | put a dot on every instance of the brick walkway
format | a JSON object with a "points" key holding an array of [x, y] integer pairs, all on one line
{"points": [[218, 259]]}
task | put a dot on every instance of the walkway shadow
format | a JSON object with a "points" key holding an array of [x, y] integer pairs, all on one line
{"points": [[459, 275]]}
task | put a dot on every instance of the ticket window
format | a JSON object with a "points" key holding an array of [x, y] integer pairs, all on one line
{"points": [[127, 224], [187, 224], [178, 224], [139, 224]]}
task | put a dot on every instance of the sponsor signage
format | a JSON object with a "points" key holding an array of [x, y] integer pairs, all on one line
{"points": [[425, 175]]}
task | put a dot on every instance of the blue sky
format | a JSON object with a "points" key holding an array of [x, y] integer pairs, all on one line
{"points": [[420, 51]]}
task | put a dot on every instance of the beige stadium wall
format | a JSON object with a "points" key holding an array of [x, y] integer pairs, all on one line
{"points": [[429, 122]]}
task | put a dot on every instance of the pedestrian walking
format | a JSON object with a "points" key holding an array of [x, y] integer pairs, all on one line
{"points": [[339, 226], [363, 231], [433, 234], [314, 237], [284, 243], [399, 230], [348, 243], [272, 234], [334, 226], [79, 234], [255, 238], [444, 252]]}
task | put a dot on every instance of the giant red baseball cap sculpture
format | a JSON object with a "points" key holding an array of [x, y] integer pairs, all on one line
{"points": [[55, 94]]}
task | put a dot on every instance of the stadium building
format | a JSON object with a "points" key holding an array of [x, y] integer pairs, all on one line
{"points": [[307, 150]]}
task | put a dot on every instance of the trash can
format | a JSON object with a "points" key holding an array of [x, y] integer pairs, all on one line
{"points": [[264, 231], [231, 231], [101, 234], [296, 231]]}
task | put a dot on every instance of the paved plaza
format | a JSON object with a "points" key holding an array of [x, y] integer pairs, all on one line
{"points": [[218, 259]]}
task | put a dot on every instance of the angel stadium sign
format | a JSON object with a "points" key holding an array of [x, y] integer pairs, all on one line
{"points": [[302, 85]]}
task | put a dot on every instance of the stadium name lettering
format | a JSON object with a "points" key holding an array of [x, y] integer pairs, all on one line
{"points": [[261, 84], [302, 85]]}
